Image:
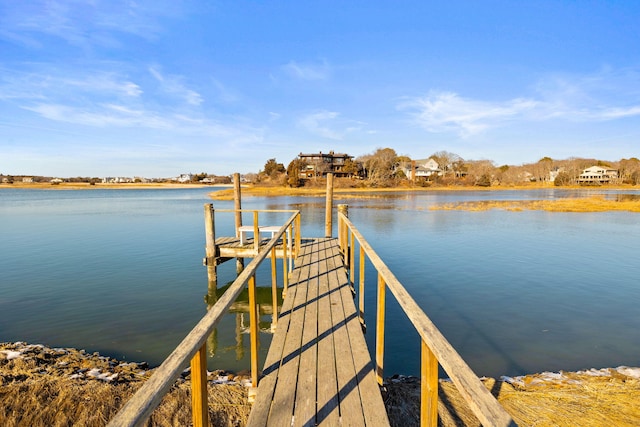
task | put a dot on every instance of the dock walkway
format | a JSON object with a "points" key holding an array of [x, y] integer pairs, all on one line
{"points": [[318, 370]]}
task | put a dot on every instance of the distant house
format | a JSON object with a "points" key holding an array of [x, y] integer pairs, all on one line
{"points": [[320, 164], [425, 169], [185, 177], [598, 175], [27, 179], [116, 180]]}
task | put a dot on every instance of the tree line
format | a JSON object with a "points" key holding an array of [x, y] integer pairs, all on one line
{"points": [[385, 168]]}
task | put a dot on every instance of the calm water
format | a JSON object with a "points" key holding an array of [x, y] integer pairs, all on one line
{"points": [[120, 272]]}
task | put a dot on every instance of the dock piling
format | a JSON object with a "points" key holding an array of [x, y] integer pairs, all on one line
{"points": [[237, 203], [328, 224]]}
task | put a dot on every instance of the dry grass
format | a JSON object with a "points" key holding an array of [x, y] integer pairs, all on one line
{"points": [[586, 204], [63, 387], [65, 402], [40, 386], [579, 399]]}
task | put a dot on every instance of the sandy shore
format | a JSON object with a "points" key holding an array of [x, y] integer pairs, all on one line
{"points": [[43, 386]]}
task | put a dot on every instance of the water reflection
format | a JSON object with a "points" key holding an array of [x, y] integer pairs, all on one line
{"points": [[267, 308]]}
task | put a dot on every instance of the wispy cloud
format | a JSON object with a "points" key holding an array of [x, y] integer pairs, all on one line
{"points": [[447, 111], [329, 124], [598, 97], [307, 71], [173, 85], [50, 83], [94, 98], [84, 23]]}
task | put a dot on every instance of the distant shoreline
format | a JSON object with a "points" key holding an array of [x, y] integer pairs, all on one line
{"points": [[101, 186]]}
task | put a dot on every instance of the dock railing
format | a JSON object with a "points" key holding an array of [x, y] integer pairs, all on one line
{"points": [[435, 348], [193, 347]]}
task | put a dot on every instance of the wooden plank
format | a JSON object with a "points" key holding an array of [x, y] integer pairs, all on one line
{"points": [[372, 404], [318, 371], [262, 406], [350, 403], [283, 403], [305, 406], [328, 402]]}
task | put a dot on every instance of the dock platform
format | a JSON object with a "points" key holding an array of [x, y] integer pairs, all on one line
{"points": [[318, 370]]}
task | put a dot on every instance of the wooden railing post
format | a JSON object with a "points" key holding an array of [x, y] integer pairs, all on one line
{"points": [[285, 273], [428, 387], [298, 237], [361, 288], [274, 289], [199, 400], [343, 230], [380, 330], [256, 232], [253, 318], [352, 259]]}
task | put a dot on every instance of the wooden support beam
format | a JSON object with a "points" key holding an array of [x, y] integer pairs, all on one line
{"points": [[428, 387], [253, 317], [199, 400], [380, 330]]}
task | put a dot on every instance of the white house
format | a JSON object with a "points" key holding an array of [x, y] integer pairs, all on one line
{"points": [[424, 168], [598, 175], [185, 177]]}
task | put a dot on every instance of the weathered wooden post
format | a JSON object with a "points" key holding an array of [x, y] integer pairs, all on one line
{"points": [[342, 232], [237, 206], [380, 330], [254, 338], [274, 286], [428, 387], [211, 260], [199, 400], [328, 224]]}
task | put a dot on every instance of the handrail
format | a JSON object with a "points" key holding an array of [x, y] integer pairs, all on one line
{"points": [[193, 347], [435, 347]]}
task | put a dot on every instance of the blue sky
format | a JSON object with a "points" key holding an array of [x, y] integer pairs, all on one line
{"points": [[157, 88]]}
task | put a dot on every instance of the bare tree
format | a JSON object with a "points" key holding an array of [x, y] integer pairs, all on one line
{"points": [[448, 162], [380, 165]]}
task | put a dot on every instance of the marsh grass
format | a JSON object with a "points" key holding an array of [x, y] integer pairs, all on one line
{"points": [[585, 204], [579, 399]]}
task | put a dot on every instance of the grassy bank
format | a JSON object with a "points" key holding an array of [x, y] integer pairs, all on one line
{"points": [[42, 386], [595, 203]]}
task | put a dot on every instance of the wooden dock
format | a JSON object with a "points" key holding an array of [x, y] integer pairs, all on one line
{"points": [[318, 370]]}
